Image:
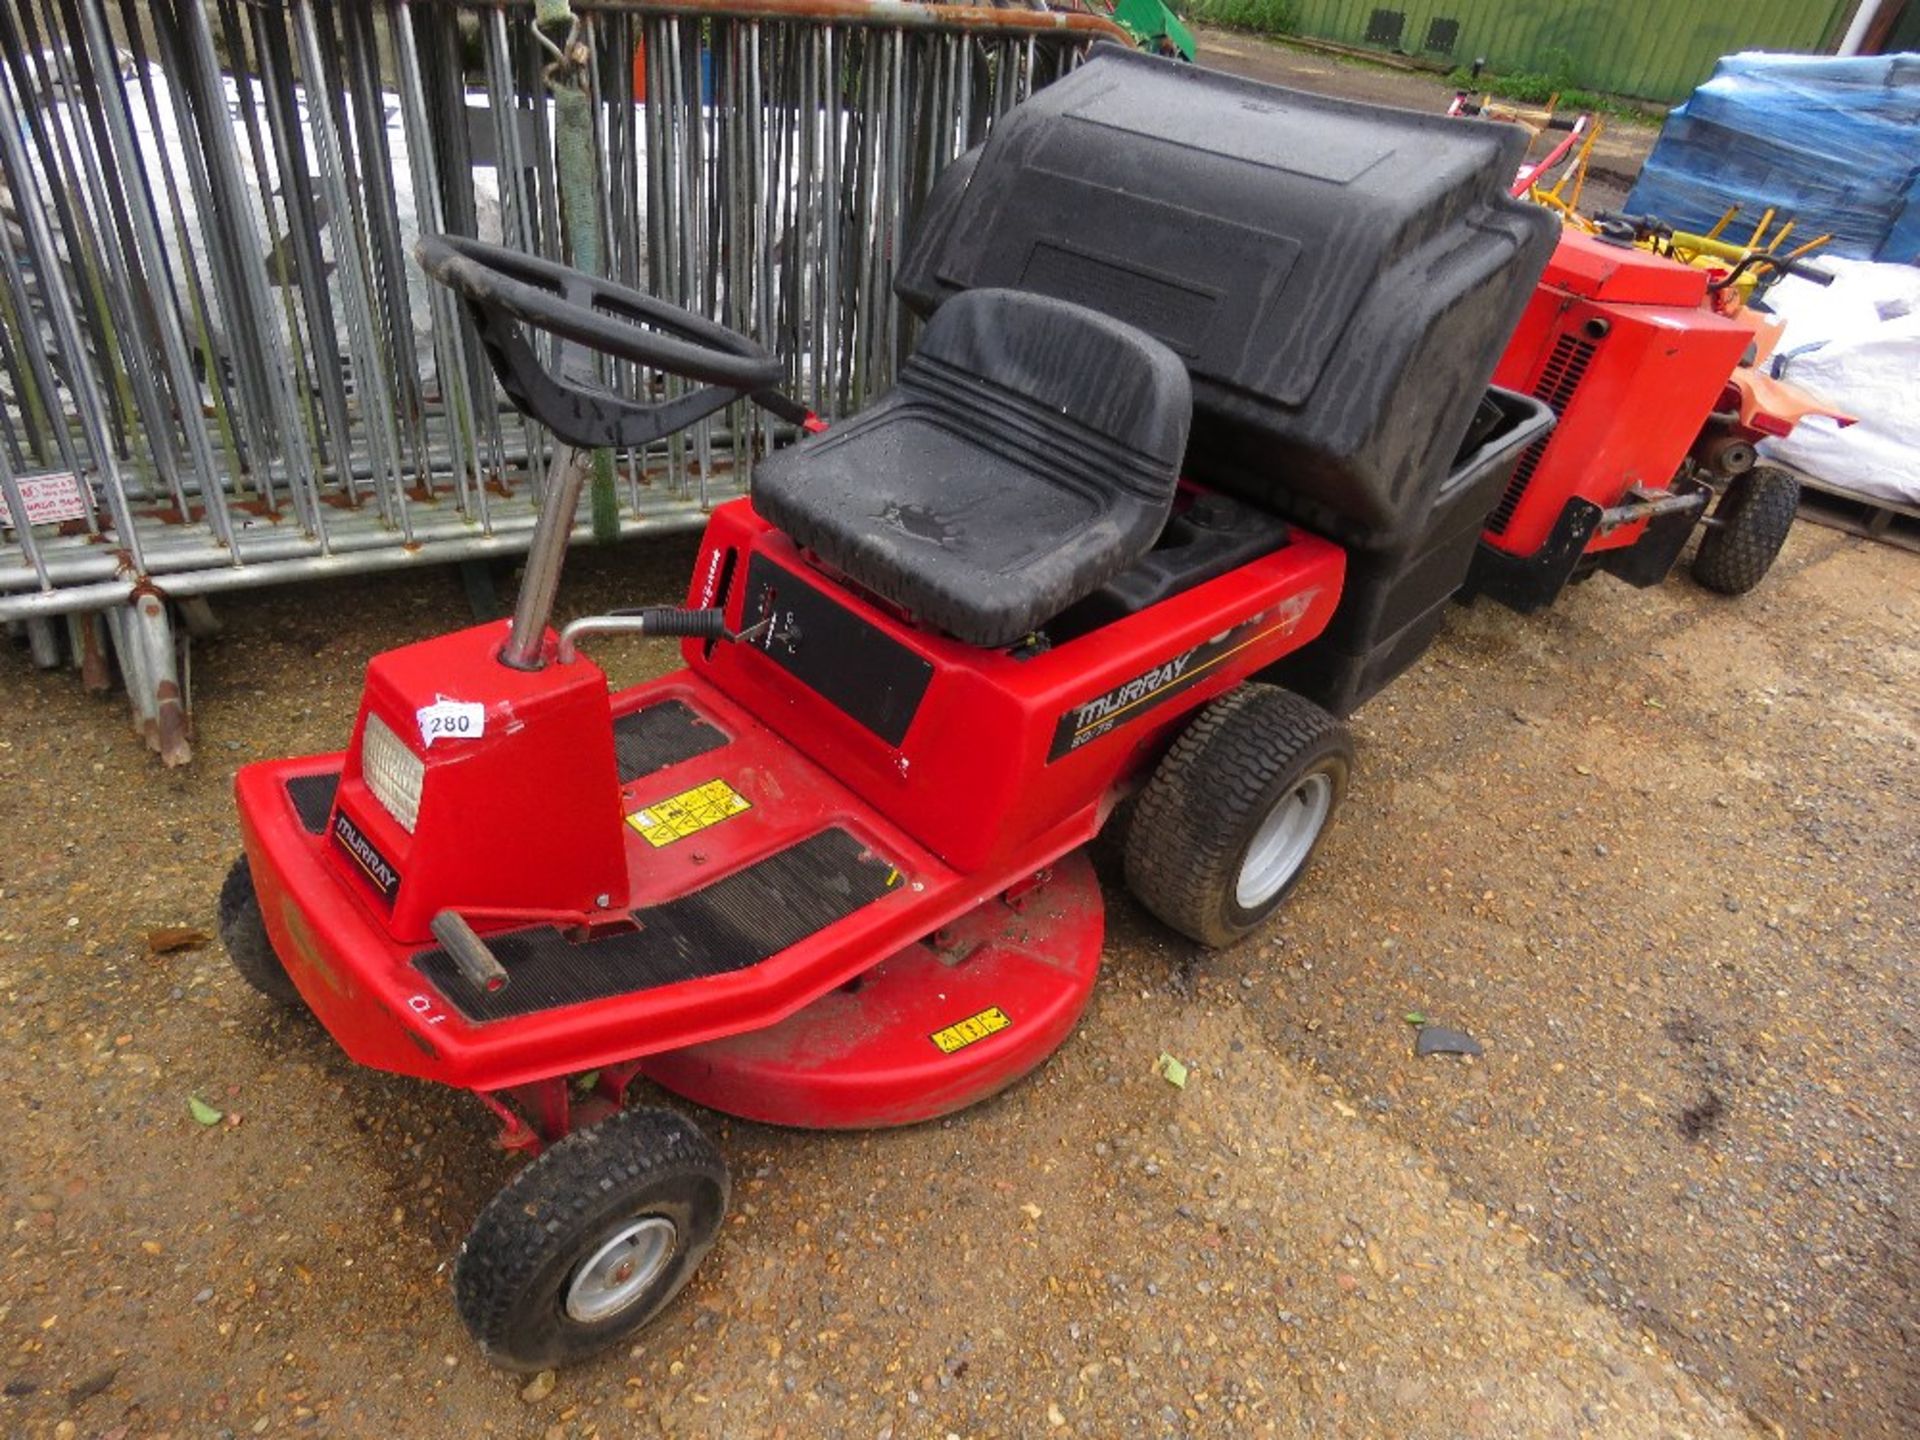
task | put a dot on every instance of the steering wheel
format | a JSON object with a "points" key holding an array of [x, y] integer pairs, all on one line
{"points": [[509, 293]]}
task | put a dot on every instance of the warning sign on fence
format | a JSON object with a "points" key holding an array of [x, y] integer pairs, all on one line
{"points": [[49, 500]]}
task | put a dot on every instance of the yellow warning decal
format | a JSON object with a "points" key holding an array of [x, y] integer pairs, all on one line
{"points": [[975, 1027], [688, 813]]}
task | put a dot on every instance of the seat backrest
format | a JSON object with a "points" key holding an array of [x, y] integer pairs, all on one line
{"points": [[1021, 364], [1028, 453]]}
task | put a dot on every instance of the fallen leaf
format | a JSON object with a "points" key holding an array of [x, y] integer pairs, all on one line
{"points": [[169, 938], [202, 1111], [1171, 1070]]}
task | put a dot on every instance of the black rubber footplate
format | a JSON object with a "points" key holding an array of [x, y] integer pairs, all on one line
{"points": [[662, 734], [312, 797], [729, 925]]}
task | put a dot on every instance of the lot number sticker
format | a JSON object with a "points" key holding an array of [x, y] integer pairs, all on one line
{"points": [[451, 720]]}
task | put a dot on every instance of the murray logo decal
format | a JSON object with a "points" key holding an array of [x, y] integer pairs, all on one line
{"points": [[1107, 711], [1133, 692], [368, 860]]}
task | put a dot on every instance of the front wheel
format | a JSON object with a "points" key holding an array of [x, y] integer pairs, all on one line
{"points": [[1225, 828], [243, 930], [1748, 527], [591, 1240]]}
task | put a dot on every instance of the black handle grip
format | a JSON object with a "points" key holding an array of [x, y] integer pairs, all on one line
{"points": [[1805, 269], [507, 293], [673, 621], [1774, 267]]}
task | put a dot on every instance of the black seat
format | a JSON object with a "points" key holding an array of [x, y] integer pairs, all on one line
{"points": [[1026, 456]]}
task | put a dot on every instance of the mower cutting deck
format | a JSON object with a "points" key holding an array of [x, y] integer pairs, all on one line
{"points": [[830, 873]]}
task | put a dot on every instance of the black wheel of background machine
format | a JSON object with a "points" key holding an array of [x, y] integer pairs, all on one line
{"points": [[1754, 517], [1234, 812], [244, 933], [591, 1240]]}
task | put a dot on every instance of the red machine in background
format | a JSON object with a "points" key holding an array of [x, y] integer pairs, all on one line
{"points": [[1659, 405]]}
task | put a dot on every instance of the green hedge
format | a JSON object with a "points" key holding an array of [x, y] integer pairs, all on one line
{"points": [[1276, 17]]}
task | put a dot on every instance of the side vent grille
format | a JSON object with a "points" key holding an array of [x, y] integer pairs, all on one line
{"points": [[1564, 371]]}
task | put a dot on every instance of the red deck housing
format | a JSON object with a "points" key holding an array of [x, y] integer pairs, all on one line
{"points": [[945, 1022]]}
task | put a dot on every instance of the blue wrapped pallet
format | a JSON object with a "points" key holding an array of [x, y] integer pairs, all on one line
{"points": [[1832, 143]]}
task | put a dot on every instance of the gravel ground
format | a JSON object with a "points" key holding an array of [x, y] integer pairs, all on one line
{"points": [[1617, 155], [1654, 849]]}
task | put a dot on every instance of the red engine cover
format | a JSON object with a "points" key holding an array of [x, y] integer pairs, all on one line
{"points": [[1632, 377], [1624, 274]]}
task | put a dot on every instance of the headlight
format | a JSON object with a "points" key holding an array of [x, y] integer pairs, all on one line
{"points": [[392, 771]]}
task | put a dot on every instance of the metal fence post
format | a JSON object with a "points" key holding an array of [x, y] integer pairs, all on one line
{"points": [[210, 322]]}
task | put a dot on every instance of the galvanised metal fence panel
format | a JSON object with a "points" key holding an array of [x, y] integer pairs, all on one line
{"points": [[1653, 49], [220, 365]]}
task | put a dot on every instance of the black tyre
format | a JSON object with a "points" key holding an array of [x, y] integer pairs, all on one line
{"points": [[1232, 816], [1752, 520], [244, 933], [591, 1240]]}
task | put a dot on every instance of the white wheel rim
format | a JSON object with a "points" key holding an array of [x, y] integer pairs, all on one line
{"points": [[620, 1271], [1284, 841]]}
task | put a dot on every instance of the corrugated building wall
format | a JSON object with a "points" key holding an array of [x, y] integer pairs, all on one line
{"points": [[1654, 49]]}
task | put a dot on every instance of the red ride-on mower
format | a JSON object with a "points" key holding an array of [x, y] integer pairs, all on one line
{"points": [[831, 872]]}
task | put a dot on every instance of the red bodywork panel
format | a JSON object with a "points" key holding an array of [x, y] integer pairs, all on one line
{"points": [[1632, 366], [945, 1022], [972, 779], [995, 777], [1594, 269], [1767, 406], [478, 845]]}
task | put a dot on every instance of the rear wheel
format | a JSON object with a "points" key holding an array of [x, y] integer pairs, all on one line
{"points": [[244, 932], [1749, 526], [1226, 826], [591, 1240]]}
